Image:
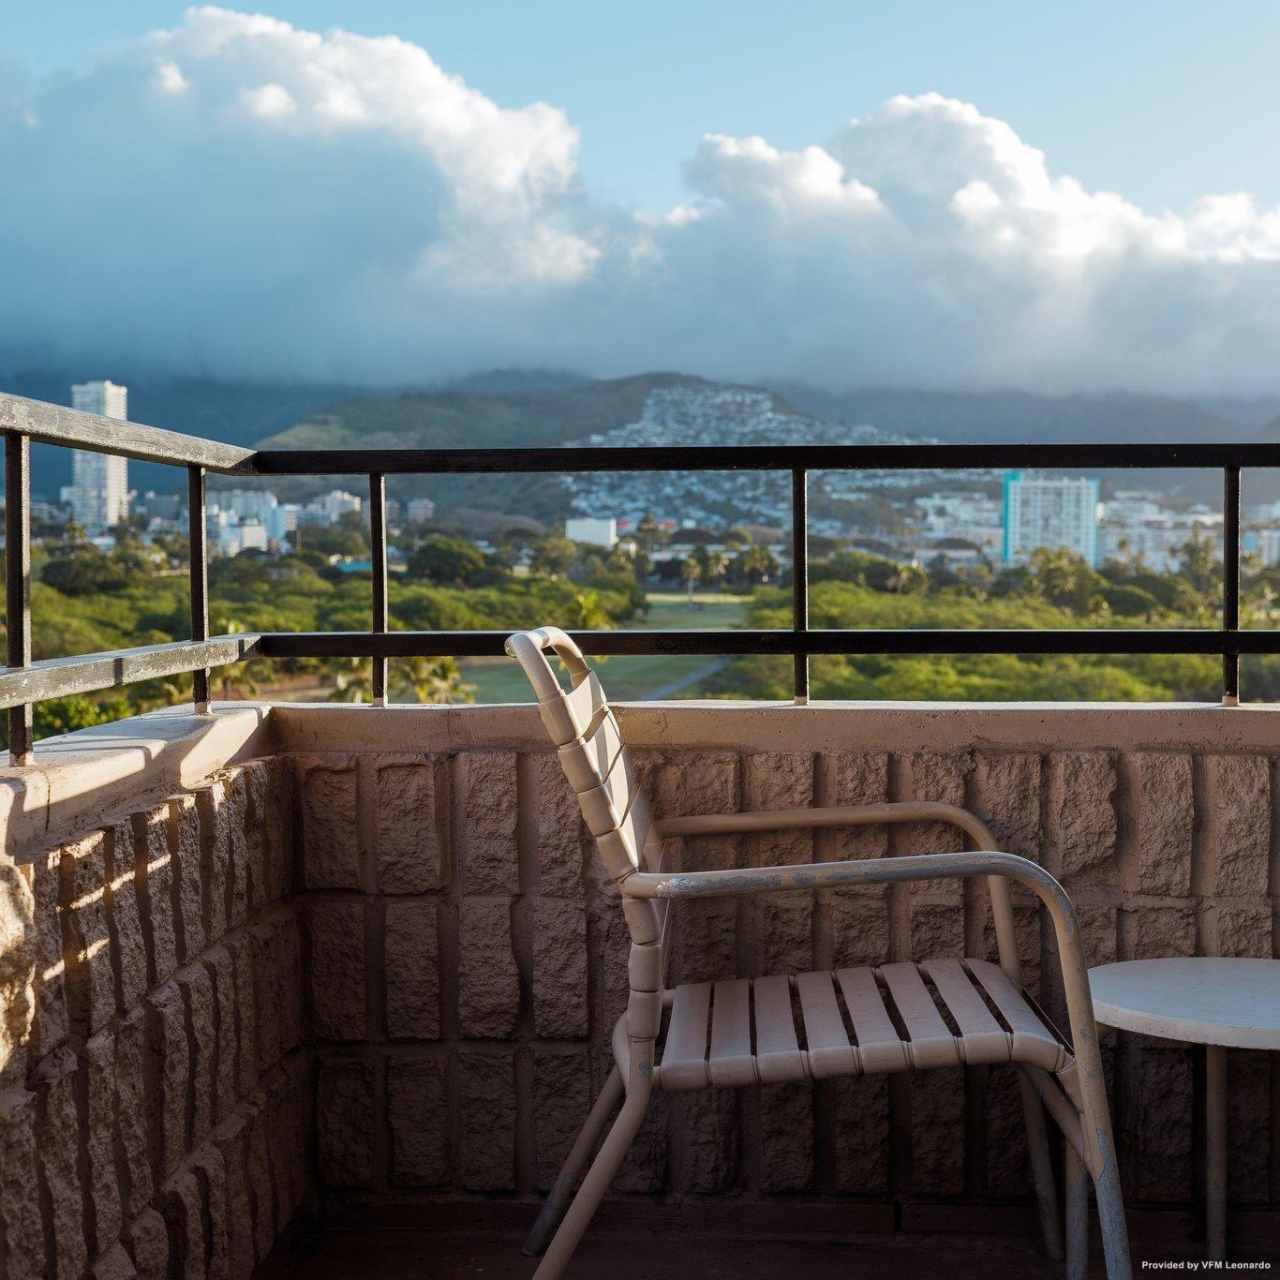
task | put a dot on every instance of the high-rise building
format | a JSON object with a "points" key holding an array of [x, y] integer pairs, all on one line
{"points": [[1050, 511], [100, 481]]}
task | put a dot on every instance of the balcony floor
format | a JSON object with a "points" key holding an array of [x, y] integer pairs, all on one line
{"points": [[389, 1255], [388, 1246]]}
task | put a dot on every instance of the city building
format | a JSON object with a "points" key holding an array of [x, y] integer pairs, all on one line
{"points": [[1050, 511], [1139, 528], [99, 492], [329, 508], [250, 519], [596, 533], [1265, 544], [967, 517], [420, 510]]}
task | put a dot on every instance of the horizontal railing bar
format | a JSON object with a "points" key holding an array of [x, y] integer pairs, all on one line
{"points": [[905, 457], [90, 672], [480, 644], [75, 429]]}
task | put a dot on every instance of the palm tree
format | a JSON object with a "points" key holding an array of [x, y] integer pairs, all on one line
{"points": [[431, 680], [352, 680], [648, 532], [591, 615], [691, 572]]}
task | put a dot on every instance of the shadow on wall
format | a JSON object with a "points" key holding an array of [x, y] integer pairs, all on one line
{"points": [[154, 1100]]}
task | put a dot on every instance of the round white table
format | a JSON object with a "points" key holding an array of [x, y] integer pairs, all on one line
{"points": [[1221, 1004]]}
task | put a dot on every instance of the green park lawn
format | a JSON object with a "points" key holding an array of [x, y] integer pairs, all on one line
{"points": [[627, 679]]}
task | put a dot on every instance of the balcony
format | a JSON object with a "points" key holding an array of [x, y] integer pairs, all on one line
{"points": [[326, 990]]}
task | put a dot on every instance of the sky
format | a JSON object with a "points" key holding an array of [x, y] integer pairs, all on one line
{"points": [[1058, 198]]}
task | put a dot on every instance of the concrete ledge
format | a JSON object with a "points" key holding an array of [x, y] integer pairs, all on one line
{"points": [[80, 778], [781, 726]]}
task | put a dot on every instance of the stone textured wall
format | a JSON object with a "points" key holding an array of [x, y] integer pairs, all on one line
{"points": [[387, 974], [466, 964], [154, 1088]]}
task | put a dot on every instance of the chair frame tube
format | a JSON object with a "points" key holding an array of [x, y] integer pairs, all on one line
{"points": [[1077, 1098]]}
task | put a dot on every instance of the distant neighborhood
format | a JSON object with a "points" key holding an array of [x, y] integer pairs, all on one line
{"points": [[912, 517]]}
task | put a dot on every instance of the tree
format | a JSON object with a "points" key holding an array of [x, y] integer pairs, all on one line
{"points": [[1129, 602], [712, 565], [621, 560], [554, 555], [348, 537], [1063, 578], [447, 562], [941, 574], [908, 579], [755, 566], [1199, 564], [691, 572], [592, 616], [352, 680], [87, 571], [431, 680], [648, 532]]}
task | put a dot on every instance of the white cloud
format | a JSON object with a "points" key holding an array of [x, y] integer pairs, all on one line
{"points": [[170, 78], [237, 196]]}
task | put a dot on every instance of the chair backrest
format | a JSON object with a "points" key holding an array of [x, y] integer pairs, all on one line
{"points": [[598, 766]]}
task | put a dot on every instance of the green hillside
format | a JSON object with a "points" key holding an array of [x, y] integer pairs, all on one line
{"points": [[478, 420]]}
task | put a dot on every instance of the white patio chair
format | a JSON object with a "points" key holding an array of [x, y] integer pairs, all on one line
{"points": [[815, 1025]]}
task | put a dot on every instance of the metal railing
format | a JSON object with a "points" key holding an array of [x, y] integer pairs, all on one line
{"points": [[24, 682]]}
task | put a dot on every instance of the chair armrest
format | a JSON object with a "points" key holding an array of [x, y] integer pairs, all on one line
{"points": [[998, 867], [808, 877], [862, 815]]}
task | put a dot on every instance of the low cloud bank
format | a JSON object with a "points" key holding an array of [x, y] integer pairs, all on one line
{"points": [[240, 197]]}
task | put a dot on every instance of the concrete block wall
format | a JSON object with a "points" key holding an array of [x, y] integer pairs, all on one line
{"points": [[154, 1075], [376, 963], [466, 960]]}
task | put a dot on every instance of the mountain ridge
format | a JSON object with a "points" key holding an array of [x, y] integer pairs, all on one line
{"points": [[548, 407]]}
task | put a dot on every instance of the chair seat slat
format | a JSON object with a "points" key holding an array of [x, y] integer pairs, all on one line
{"points": [[880, 1047], [732, 1062], [983, 1039], [830, 1053], [684, 1060], [1032, 1040], [930, 1043], [777, 1047]]}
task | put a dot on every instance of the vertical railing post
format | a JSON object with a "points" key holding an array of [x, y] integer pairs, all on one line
{"points": [[1231, 581], [17, 558], [198, 569], [378, 563], [800, 576]]}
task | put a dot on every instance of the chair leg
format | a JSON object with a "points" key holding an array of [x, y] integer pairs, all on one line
{"points": [[1077, 1216], [595, 1184], [1041, 1167], [1115, 1235], [553, 1209]]}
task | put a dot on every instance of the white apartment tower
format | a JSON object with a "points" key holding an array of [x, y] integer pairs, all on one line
{"points": [[99, 481], [1050, 511]]}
